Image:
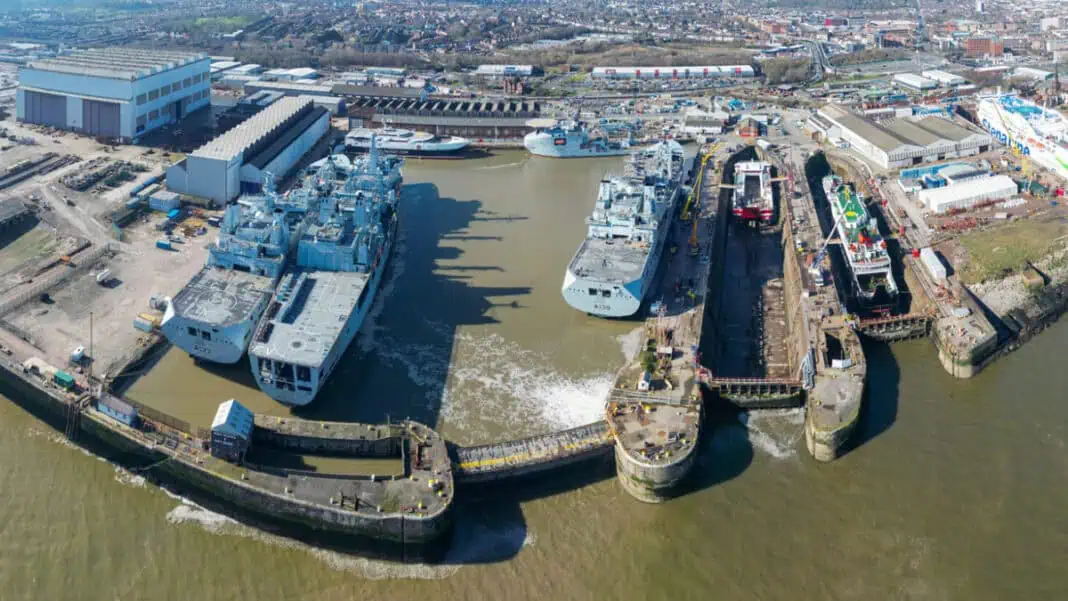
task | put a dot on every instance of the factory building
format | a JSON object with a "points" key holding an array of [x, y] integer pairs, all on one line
{"points": [[968, 193], [672, 72], [945, 78], [897, 143], [474, 119], [915, 82], [113, 92], [504, 70], [272, 141]]}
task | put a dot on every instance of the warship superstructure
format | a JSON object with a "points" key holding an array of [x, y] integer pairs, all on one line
{"points": [[212, 317], [571, 139], [863, 246], [615, 265], [322, 301]]}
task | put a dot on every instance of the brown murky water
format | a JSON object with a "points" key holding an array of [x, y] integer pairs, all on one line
{"points": [[956, 489]]}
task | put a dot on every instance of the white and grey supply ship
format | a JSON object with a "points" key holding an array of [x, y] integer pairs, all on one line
{"points": [[213, 316], [568, 140], [322, 301], [615, 265], [405, 142]]}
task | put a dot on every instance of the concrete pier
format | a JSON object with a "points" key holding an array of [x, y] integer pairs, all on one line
{"points": [[655, 415]]}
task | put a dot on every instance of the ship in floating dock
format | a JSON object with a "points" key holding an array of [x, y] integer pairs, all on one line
{"points": [[864, 248], [752, 199], [323, 300], [213, 316], [616, 263]]}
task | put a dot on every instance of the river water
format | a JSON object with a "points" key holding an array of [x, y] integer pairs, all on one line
{"points": [[955, 489]]}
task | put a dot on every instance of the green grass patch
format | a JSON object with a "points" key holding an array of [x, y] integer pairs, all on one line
{"points": [[1007, 249]]}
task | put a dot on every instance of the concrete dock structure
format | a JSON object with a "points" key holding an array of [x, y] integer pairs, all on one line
{"points": [[654, 409]]}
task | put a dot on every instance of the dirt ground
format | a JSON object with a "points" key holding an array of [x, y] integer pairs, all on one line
{"points": [[139, 270]]}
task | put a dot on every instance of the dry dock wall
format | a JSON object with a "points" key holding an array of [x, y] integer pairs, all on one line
{"points": [[652, 483], [50, 405]]}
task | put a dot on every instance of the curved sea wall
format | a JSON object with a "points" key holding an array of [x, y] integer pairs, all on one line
{"points": [[304, 499], [653, 481]]}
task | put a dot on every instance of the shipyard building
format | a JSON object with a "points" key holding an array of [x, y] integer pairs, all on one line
{"points": [[272, 141], [672, 72], [411, 108], [118, 93], [899, 142]]}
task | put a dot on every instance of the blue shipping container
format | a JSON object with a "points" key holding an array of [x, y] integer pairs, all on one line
{"points": [[163, 244]]}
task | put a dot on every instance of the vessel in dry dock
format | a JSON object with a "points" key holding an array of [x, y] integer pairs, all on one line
{"points": [[752, 200], [863, 246]]}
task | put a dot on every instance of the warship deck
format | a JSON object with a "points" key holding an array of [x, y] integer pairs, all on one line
{"points": [[309, 321], [221, 297], [613, 261]]}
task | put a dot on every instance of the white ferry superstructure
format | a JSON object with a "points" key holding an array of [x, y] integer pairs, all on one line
{"points": [[1039, 133]]}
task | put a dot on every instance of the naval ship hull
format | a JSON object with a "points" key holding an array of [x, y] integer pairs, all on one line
{"points": [[610, 299], [294, 397], [225, 344]]}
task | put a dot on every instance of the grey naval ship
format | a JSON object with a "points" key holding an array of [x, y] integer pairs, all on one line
{"points": [[568, 140], [322, 301], [213, 316], [615, 265]]}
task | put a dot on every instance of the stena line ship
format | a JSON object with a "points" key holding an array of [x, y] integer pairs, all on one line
{"points": [[1039, 133]]}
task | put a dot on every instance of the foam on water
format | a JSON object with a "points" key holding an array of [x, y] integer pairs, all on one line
{"points": [[477, 541], [775, 432], [124, 476]]}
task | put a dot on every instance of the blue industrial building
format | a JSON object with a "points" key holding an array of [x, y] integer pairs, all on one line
{"points": [[119, 93]]}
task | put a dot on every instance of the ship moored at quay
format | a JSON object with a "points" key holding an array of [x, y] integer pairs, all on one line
{"points": [[323, 299], [213, 316], [613, 268]]}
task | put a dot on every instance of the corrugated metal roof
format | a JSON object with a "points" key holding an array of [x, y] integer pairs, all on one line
{"points": [[117, 63], [242, 137], [950, 130]]}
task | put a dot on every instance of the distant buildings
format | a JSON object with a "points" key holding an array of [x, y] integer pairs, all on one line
{"points": [[672, 72], [113, 92], [915, 82], [977, 47], [504, 70]]}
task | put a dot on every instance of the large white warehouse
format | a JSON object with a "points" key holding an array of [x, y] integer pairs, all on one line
{"points": [[968, 193], [113, 92], [672, 72], [272, 141], [901, 142]]}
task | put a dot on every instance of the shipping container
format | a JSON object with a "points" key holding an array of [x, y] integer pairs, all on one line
{"points": [[933, 264], [142, 325], [63, 380], [163, 244]]}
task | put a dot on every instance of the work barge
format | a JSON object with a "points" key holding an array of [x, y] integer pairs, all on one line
{"points": [[652, 424]]}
